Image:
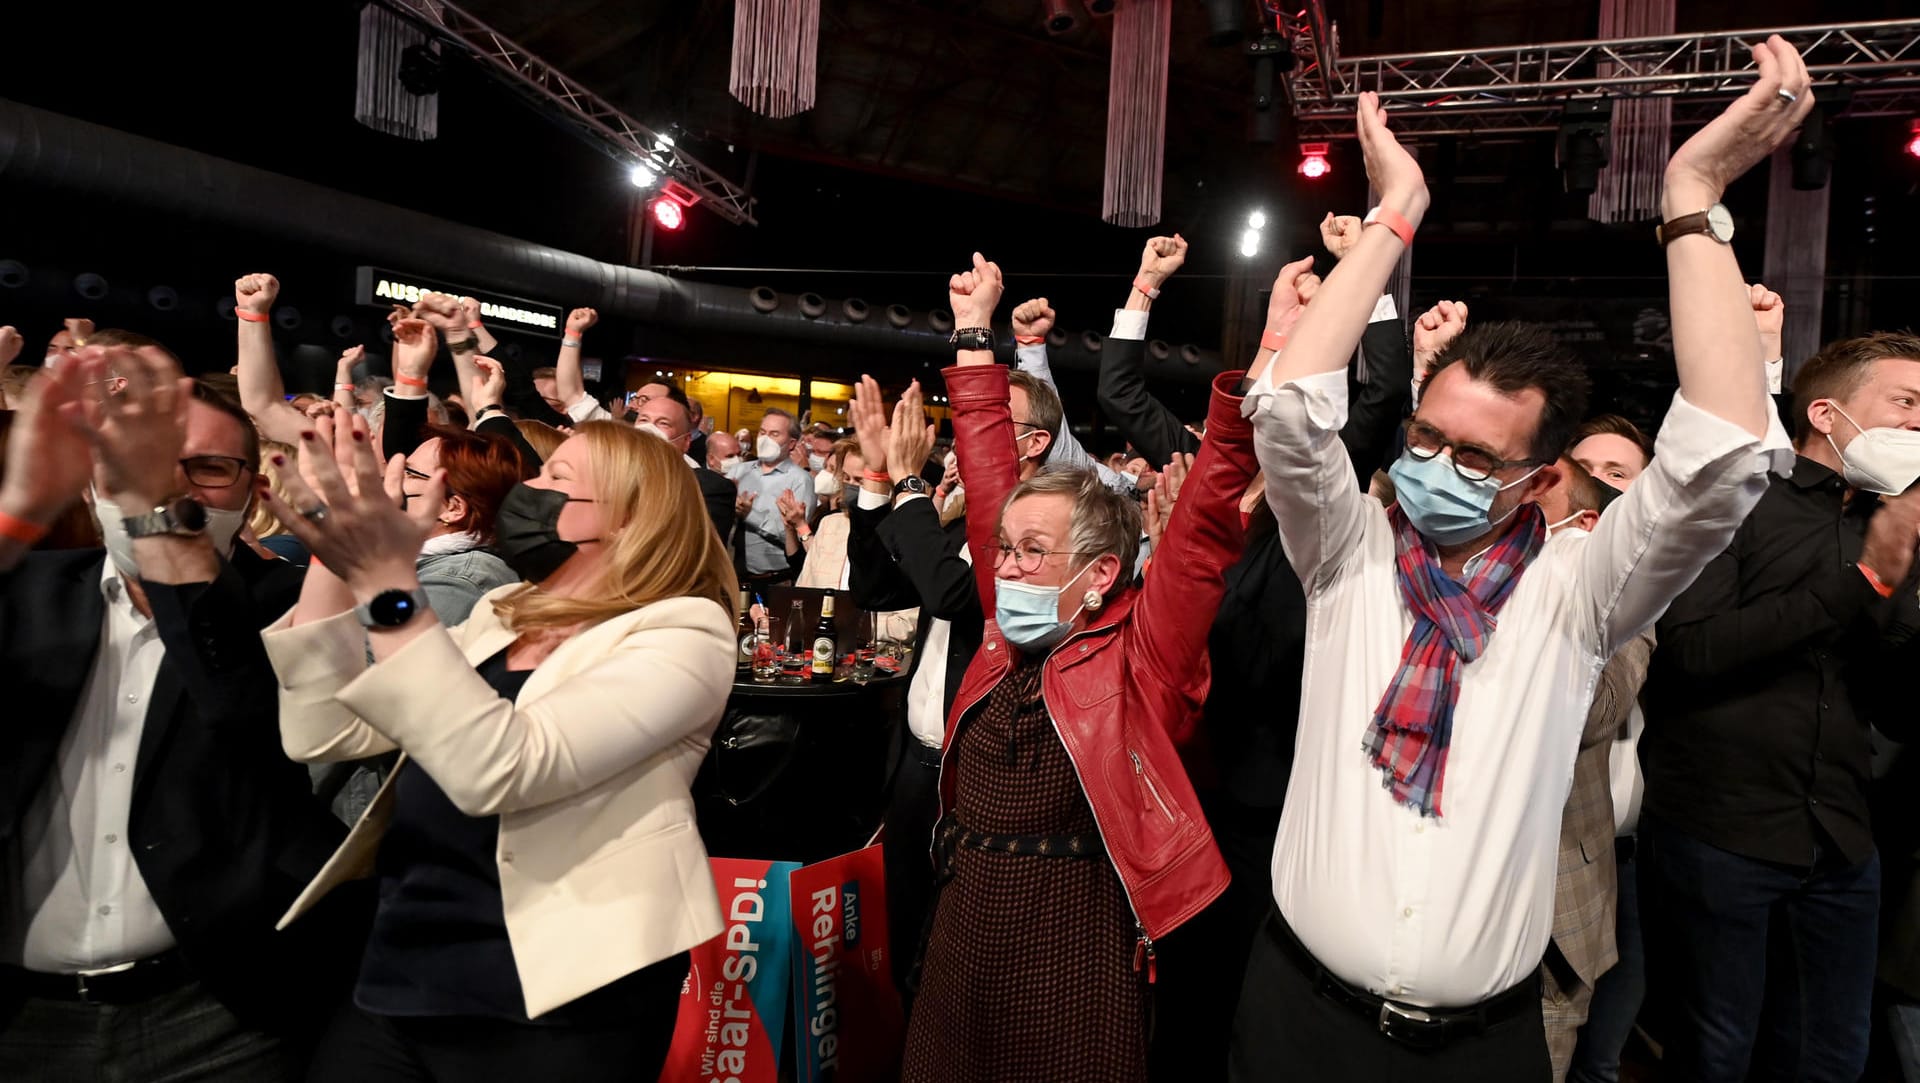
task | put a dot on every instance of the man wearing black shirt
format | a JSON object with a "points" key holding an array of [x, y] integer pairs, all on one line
{"points": [[1769, 670]]}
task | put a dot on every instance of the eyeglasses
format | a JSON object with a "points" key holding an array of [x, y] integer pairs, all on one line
{"points": [[1473, 463], [418, 474], [213, 471], [1029, 557]]}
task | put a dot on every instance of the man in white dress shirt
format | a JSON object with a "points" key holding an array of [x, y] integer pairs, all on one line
{"points": [[1413, 880]]}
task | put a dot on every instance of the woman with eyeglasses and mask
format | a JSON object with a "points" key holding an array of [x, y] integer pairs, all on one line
{"points": [[456, 564], [1070, 840], [540, 877]]}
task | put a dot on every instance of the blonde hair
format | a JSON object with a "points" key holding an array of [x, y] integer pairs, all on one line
{"points": [[1103, 520], [662, 544], [263, 522], [544, 437]]}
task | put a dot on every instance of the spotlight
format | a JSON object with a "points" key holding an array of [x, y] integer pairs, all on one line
{"points": [[1313, 160], [1063, 16], [420, 70], [642, 175], [1585, 143], [1257, 220], [1099, 8], [1225, 24], [1250, 243], [1913, 139], [668, 214]]}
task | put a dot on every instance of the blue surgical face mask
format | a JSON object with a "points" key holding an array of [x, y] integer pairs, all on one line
{"points": [[1029, 615], [1444, 507]]}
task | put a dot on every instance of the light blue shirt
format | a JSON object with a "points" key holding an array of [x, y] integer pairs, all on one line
{"points": [[765, 533]]}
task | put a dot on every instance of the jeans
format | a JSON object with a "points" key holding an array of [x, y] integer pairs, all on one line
{"points": [[1712, 920], [1617, 995]]}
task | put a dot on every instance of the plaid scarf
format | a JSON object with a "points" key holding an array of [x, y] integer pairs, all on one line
{"points": [[1451, 626]]}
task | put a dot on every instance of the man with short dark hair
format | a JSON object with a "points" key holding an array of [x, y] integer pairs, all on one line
{"points": [[1770, 668], [1456, 647], [668, 417], [761, 542]]}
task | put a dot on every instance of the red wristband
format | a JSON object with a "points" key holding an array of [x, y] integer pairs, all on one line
{"points": [[1879, 585], [1273, 340], [408, 381], [20, 530], [1029, 340], [251, 317], [1393, 220], [875, 475], [1153, 294], [475, 325]]}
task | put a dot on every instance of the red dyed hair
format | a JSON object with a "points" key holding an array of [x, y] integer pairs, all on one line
{"points": [[481, 468]]}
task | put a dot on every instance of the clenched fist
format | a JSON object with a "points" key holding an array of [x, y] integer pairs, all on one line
{"points": [[443, 312], [1436, 328], [1162, 257], [255, 293], [973, 295], [1770, 316], [1340, 232], [580, 319], [1033, 318]]}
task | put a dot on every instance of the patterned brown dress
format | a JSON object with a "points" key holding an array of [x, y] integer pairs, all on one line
{"points": [[1029, 968]]}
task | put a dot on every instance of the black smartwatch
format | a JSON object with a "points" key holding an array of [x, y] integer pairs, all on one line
{"points": [[181, 517], [392, 608], [912, 483], [972, 338]]}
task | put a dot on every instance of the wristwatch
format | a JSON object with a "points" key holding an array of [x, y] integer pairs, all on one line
{"points": [[1715, 222], [972, 338], [912, 483], [391, 608], [182, 517]]}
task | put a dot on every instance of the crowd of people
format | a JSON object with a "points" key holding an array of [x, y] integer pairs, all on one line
{"points": [[1175, 795]]}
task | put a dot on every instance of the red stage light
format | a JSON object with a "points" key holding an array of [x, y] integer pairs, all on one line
{"points": [[668, 214], [1313, 161], [1913, 139]]}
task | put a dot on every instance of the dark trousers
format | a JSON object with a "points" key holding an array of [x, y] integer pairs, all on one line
{"points": [[1805, 1012], [175, 1037], [1620, 991], [906, 849], [360, 1047], [1201, 964], [1286, 1030]]}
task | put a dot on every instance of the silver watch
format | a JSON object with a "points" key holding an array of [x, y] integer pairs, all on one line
{"points": [[183, 517]]}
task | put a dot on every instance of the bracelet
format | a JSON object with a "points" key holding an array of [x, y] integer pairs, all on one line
{"points": [[803, 532], [875, 475], [1393, 220], [1029, 340], [566, 342], [1273, 340], [475, 325], [251, 317], [491, 407], [343, 387], [1879, 585], [20, 530], [1153, 293], [463, 345], [407, 381]]}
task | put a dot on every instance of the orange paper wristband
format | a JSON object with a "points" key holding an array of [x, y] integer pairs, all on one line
{"points": [[1273, 340], [1029, 340], [251, 317], [408, 381], [1394, 221], [1879, 585], [20, 530]]}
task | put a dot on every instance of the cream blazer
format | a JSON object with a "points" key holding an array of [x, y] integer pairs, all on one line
{"points": [[601, 869]]}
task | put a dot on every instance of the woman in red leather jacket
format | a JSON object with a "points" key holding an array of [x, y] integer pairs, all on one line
{"points": [[1070, 839]]}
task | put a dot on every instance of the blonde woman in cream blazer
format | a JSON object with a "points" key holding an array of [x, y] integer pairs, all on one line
{"points": [[601, 878]]}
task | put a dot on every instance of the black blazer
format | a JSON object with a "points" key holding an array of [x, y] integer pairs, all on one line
{"points": [[719, 495], [224, 827], [901, 558]]}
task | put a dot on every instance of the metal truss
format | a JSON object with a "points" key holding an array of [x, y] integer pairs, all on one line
{"points": [[624, 139], [1516, 89]]}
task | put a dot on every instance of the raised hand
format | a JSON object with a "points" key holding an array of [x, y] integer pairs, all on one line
{"points": [[579, 320], [413, 348], [1770, 316], [1393, 171], [1161, 257], [1033, 319], [443, 313], [10, 344], [137, 434], [1291, 288], [79, 329], [49, 459], [911, 437], [1433, 331], [491, 388], [791, 512], [470, 308], [973, 295], [1751, 127], [868, 412], [1339, 232], [337, 505], [253, 293]]}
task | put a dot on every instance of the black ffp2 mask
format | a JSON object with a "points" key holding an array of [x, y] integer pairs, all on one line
{"points": [[527, 532]]}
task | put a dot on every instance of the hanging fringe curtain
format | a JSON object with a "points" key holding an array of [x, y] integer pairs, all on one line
{"points": [[776, 48], [1629, 188], [379, 100], [1137, 113]]}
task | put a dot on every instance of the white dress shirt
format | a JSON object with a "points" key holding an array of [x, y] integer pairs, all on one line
{"points": [[927, 693], [83, 900], [1449, 912]]}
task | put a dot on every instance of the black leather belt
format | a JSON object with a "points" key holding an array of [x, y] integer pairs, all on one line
{"points": [[1420, 1028], [163, 973]]}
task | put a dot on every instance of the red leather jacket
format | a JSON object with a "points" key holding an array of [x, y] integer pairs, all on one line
{"points": [[1124, 693]]}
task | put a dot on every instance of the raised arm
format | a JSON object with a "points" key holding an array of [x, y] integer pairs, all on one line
{"points": [[343, 376], [1155, 431], [444, 314], [982, 421], [470, 308], [48, 459], [262, 394], [1031, 322], [414, 345], [569, 381]]}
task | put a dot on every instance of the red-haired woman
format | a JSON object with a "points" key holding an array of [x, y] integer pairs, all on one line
{"points": [[456, 566]]}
